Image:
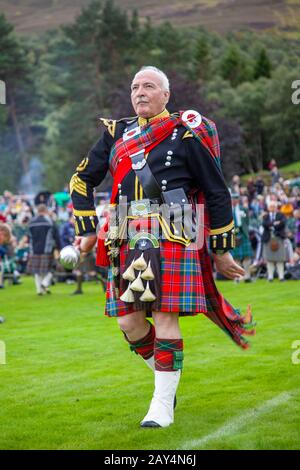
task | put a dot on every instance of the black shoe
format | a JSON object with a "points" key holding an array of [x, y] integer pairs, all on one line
{"points": [[150, 424], [175, 403], [2, 319], [77, 292]]}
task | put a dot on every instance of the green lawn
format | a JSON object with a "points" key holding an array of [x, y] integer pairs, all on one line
{"points": [[70, 381]]}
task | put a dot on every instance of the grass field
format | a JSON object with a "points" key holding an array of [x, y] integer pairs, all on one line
{"points": [[70, 381]]}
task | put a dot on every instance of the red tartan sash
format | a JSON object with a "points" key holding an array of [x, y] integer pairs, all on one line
{"points": [[150, 136], [120, 165]]}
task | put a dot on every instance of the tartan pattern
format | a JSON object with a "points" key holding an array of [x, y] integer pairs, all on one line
{"points": [[207, 134], [187, 283], [39, 264], [168, 354], [150, 136], [150, 133], [244, 250], [188, 288], [182, 288], [144, 346], [220, 311]]}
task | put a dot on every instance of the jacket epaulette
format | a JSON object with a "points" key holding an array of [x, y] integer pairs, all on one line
{"points": [[111, 124]]}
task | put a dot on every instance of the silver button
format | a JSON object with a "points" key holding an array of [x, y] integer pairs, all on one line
{"points": [[164, 188], [119, 185], [164, 182], [169, 152], [182, 200], [167, 163], [169, 157]]}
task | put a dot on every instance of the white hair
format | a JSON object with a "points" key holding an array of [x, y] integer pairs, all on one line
{"points": [[164, 79]]}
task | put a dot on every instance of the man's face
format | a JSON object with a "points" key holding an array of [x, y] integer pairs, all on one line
{"points": [[272, 207], [148, 98]]}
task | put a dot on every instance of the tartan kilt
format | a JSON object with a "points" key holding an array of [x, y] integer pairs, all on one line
{"points": [[244, 250], [187, 288], [182, 287], [39, 264]]}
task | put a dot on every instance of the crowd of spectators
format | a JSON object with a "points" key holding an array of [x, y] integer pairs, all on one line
{"points": [[26, 250], [267, 224]]}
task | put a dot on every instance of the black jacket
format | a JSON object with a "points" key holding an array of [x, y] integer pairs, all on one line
{"points": [[192, 168], [279, 228], [43, 236]]}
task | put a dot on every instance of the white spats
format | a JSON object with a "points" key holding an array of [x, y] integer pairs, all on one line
{"points": [[161, 409], [150, 362]]}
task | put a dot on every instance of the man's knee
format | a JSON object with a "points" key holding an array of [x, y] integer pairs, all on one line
{"points": [[131, 322], [165, 319]]}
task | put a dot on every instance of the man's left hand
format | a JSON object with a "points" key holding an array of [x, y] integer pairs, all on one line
{"points": [[226, 266]]}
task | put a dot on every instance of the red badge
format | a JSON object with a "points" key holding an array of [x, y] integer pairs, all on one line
{"points": [[192, 118]]}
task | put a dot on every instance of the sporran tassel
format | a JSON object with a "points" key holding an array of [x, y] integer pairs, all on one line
{"points": [[137, 285], [129, 274], [128, 295], [147, 296], [140, 263], [148, 275]]}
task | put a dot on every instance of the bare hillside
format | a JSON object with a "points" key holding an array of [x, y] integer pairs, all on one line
{"points": [[35, 16]]}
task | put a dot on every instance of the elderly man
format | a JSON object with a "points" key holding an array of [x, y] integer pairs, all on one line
{"points": [[159, 160], [273, 241]]}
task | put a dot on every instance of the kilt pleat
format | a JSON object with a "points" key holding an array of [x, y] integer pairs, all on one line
{"points": [[182, 289], [187, 288], [39, 264]]}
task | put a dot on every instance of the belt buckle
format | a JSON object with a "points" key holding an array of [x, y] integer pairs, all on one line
{"points": [[141, 207]]}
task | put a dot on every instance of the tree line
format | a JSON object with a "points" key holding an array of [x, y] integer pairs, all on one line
{"points": [[60, 82]]}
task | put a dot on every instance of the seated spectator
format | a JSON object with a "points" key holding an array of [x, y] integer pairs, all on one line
{"points": [[67, 231], [293, 267], [22, 253]]}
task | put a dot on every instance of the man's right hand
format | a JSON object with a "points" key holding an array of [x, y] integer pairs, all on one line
{"points": [[226, 266], [85, 244]]}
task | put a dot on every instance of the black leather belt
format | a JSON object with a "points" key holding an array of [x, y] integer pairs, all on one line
{"points": [[145, 176]]}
